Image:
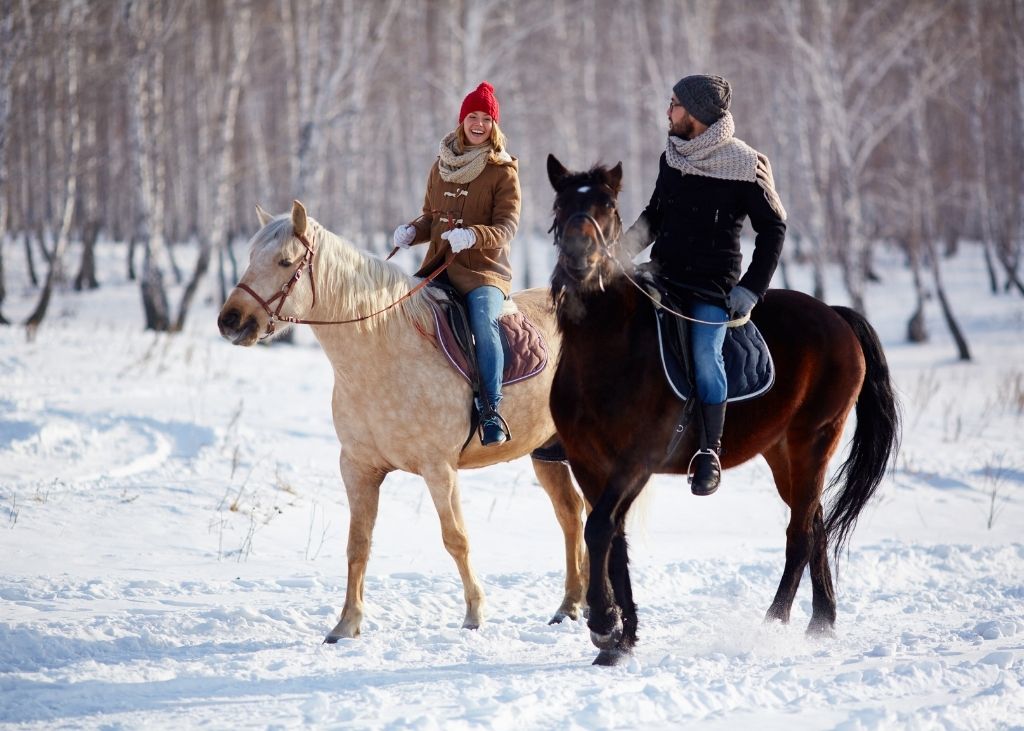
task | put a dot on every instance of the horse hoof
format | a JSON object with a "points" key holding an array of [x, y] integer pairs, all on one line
{"points": [[821, 628], [612, 656], [470, 625], [563, 614], [608, 641], [342, 631]]}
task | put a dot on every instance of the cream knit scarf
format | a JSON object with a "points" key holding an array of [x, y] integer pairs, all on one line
{"points": [[458, 165], [717, 154]]}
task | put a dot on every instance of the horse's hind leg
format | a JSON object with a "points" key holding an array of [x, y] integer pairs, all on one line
{"points": [[444, 490], [800, 478], [787, 472], [362, 485], [555, 478], [823, 614]]}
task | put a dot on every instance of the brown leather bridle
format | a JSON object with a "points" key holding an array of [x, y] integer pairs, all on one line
{"points": [[307, 263]]}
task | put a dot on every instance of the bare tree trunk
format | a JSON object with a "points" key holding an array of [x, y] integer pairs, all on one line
{"points": [[3, 289], [239, 42], [13, 44], [145, 127], [86, 277], [926, 218], [71, 180], [30, 259]]}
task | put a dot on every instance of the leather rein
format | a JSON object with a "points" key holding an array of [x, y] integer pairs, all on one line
{"points": [[606, 250], [307, 263]]}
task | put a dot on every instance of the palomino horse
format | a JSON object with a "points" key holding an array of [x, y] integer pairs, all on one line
{"points": [[397, 404], [616, 414]]}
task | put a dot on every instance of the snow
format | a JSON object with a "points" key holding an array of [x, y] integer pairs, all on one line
{"points": [[173, 552]]}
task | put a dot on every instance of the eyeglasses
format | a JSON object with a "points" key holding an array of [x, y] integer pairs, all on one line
{"points": [[672, 104]]}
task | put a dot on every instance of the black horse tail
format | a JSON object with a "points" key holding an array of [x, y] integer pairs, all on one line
{"points": [[876, 439]]}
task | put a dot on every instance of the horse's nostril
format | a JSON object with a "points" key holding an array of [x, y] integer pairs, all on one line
{"points": [[229, 320]]}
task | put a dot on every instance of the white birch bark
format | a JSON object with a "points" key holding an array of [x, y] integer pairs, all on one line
{"points": [[73, 17], [238, 41]]}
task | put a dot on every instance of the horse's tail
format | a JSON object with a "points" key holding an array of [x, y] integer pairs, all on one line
{"points": [[875, 440]]}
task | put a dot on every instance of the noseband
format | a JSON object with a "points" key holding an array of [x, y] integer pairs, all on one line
{"points": [[602, 240]]}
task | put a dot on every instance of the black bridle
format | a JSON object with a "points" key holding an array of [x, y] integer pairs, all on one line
{"points": [[602, 240]]}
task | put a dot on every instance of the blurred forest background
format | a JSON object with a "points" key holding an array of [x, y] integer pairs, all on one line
{"points": [[160, 123]]}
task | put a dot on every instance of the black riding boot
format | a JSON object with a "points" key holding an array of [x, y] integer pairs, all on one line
{"points": [[493, 429], [705, 468]]}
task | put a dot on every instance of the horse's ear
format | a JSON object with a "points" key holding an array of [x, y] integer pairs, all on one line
{"points": [[615, 177], [556, 172], [263, 217], [299, 220]]}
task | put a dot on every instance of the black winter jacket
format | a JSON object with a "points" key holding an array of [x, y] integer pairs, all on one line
{"points": [[695, 223]]}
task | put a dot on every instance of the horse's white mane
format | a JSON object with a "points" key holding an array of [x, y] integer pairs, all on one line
{"points": [[351, 283]]}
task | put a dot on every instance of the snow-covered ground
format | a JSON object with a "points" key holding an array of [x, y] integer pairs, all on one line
{"points": [[172, 552]]}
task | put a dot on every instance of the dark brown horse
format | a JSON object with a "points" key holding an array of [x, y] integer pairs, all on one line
{"points": [[616, 414]]}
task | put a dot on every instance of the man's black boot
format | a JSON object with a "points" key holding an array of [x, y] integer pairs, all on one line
{"points": [[705, 468]]}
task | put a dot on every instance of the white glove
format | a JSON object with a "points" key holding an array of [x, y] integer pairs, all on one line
{"points": [[459, 238], [403, 236]]}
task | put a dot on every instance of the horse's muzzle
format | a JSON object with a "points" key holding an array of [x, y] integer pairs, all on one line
{"points": [[238, 331]]}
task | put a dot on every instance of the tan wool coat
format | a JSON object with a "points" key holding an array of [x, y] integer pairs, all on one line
{"points": [[489, 205]]}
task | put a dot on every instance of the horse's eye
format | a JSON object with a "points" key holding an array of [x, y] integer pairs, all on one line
{"points": [[285, 262]]}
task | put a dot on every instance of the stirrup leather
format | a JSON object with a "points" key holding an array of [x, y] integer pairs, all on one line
{"points": [[689, 467]]}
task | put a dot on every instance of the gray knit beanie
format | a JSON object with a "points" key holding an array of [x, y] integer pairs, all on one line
{"points": [[705, 97]]}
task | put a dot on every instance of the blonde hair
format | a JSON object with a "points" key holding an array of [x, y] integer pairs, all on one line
{"points": [[498, 141]]}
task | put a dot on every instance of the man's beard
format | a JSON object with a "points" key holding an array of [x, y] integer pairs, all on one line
{"points": [[683, 129]]}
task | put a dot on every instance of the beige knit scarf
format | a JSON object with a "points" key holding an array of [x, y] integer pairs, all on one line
{"points": [[463, 165], [717, 154]]}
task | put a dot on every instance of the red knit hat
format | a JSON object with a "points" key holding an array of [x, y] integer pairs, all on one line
{"points": [[481, 99]]}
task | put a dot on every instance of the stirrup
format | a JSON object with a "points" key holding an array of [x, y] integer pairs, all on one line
{"points": [[493, 418], [689, 467]]}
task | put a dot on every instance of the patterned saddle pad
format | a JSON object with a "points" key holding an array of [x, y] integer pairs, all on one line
{"points": [[526, 354], [748, 364]]}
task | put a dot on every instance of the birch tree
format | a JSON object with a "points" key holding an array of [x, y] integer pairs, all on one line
{"points": [[148, 24], [236, 41], [69, 16], [14, 39]]}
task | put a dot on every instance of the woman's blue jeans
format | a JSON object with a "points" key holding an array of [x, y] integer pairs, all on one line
{"points": [[706, 343], [485, 305]]}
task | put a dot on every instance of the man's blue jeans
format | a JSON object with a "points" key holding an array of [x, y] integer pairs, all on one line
{"points": [[485, 305], [706, 343]]}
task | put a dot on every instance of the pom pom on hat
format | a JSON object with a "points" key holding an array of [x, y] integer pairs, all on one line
{"points": [[481, 99]]}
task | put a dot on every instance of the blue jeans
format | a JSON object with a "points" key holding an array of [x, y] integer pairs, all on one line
{"points": [[485, 305], [706, 343]]}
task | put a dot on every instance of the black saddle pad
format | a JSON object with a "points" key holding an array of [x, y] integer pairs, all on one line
{"points": [[748, 364]]}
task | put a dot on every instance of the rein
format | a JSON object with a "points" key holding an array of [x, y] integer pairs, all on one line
{"points": [[606, 250], [307, 263]]}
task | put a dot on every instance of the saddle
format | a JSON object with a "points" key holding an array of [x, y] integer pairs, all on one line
{"points": [[749, 368], [526, 354]]}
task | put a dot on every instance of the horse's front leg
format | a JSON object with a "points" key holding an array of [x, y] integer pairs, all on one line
{"points": [[362, 485], [605, 621], [444, 490], [555, 478]]}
